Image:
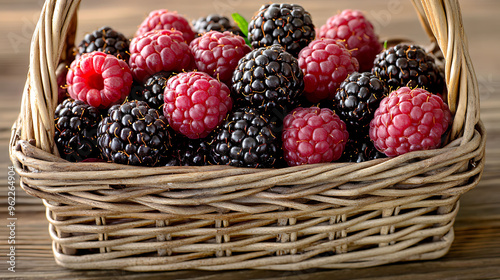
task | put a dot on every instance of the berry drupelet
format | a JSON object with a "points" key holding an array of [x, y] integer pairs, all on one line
{"points": [[190, 152], [99, 79], [214, 22], [246, 139], [408, 65], [76, 130], [409, 120], [133, 133], [196, 103], [358, 34], [325, 63], [359, 149], [357, 99], [152, 90], [217, 54], [159, 50], [286, 24], [164, 19], [106, 40], [313, 135], [268, 78]]}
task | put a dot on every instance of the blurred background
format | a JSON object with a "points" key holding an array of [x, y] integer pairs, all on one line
{"points": [[391, 18]]}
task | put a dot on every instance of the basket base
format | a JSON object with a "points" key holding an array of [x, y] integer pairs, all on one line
{"points": [[404, 251]]}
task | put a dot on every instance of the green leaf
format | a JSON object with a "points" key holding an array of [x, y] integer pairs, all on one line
{"points": [[385, 45], [241, 22]]}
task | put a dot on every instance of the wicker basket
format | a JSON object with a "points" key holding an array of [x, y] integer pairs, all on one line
{"points": [[336, 215]]}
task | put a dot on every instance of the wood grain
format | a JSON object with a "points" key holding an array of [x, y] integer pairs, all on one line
{"points": [[475, 253]]}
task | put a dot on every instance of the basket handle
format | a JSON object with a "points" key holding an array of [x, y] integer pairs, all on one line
{"points": [[53, 41], [442, 20]]}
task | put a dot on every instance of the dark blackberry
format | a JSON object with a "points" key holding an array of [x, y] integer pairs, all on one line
{"points": [[286, 24], [190, 152], [76, 130], [408, 65], [133, 133], [246, 139], [107, 40], [359, 149], [214, 22], [136, 92], [171, 161], [153, 89], [267, 78], [357, 99]]}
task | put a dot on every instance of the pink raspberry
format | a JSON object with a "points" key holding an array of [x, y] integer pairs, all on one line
{"points": [[217, 54], [195, 103], [313, 135], [325, 63], [165, 19], [159, 50], [409, 120], [358, 33], [99, 79]]}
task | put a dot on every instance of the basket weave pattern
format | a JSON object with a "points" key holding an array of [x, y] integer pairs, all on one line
{"points": [[335, 215]]}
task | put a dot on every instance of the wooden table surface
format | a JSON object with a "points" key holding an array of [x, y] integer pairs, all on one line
{"points": [[475, 253]]}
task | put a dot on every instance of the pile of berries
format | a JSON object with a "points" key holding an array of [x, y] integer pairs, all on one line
{"points": [[272, 92]]}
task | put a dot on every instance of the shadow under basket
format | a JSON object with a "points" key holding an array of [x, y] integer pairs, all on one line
{"points": [[332, 215]]}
